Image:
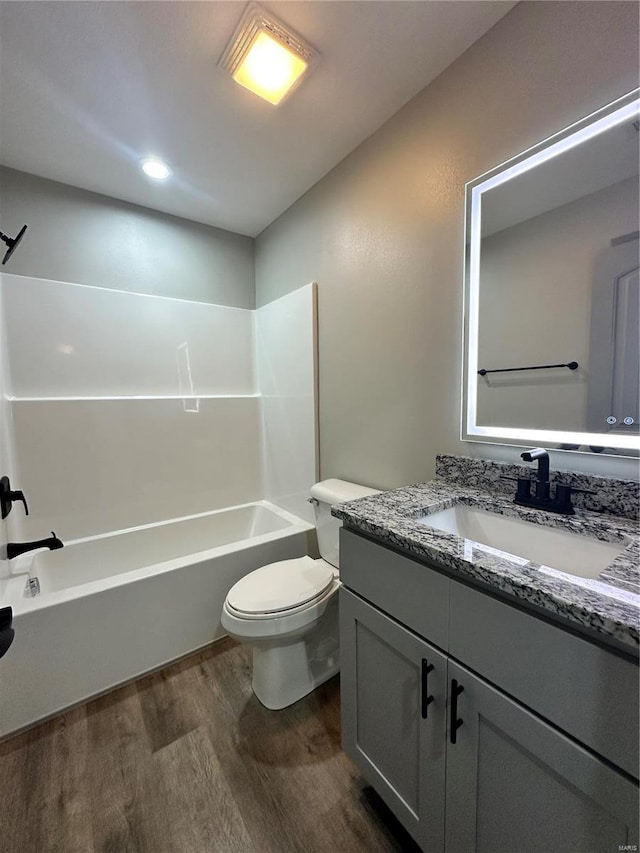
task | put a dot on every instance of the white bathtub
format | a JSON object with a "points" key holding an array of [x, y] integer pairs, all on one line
{"points": [[115, 606]]}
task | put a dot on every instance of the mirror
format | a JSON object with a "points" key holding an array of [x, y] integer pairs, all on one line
{"points": [[552, 309]]}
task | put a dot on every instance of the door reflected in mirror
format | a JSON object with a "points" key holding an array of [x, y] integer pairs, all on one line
{"points": [[552, 291]]}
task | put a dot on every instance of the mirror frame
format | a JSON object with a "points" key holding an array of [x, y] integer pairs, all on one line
{"points": [[621, 110]]}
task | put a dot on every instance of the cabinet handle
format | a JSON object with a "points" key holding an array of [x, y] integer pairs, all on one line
{"points": [[455, 723], [426, 699]]}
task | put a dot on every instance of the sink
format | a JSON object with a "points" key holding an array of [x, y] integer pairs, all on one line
{"points": [[549, 546]]}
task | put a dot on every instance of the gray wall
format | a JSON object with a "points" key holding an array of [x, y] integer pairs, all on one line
{"points": [[86, 238], [382, 234]]}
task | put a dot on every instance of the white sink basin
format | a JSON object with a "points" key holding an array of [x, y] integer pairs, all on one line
{"points": [[548, 546]]}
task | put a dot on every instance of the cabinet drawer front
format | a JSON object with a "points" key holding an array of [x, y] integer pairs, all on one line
{"points": [[411, 592], [586, 690]]}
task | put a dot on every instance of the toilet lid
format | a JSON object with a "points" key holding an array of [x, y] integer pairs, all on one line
{"points": [[281, 586]]}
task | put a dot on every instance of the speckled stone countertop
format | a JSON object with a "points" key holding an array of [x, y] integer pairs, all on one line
{"points": [[608, 606]]}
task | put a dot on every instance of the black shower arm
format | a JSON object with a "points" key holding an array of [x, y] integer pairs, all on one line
{"points": [[11, 242]]}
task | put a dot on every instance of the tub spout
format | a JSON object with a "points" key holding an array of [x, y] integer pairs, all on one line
{"points": [[14, 549]]}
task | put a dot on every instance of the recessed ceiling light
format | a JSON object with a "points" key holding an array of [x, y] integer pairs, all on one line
{"points": [[266, 57], [155, 168]]}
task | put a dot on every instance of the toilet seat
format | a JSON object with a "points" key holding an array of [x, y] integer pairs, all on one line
{"points": [[280, 589]]}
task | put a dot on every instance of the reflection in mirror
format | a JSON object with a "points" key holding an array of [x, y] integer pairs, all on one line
{"points": [[552, 291]]}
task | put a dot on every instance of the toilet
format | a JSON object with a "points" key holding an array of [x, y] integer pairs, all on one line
{"points": [[288, 611]]}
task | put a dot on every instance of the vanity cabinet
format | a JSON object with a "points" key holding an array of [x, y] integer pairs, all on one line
{"points": [[505, 777], [513, 782], [393, 687]]}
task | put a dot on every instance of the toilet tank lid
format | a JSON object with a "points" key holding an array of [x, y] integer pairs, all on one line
{"points": [[338, 491]]}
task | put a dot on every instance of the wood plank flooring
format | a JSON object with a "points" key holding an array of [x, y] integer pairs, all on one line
{"points": [[188, 761]]}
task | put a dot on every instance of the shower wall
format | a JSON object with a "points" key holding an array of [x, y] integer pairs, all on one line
{"points": [[4, 444], [129, 408], [286, 348]]}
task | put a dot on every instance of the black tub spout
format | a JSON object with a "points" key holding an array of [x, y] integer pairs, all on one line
{"points": [[14, 549]]}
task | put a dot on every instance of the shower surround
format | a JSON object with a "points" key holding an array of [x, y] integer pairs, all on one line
{"points": [[135, 414]]}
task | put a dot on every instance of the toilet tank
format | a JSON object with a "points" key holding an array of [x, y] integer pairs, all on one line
{"points": [[326, 494]]}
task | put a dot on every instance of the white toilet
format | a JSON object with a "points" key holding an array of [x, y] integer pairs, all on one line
{"points": [[288, 611]]}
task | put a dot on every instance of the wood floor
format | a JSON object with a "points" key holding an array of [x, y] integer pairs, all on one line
{"points": [[188, 761]]}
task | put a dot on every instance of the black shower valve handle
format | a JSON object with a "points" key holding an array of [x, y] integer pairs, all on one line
{"points": [[16, 497], [9, 496]]}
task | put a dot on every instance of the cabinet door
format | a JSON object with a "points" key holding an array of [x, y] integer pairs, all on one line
{"points": [[393, 716], [516, 783]]}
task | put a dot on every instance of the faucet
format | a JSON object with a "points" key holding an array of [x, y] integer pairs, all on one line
{"points": [[14, 549], [541, 499], [540, 455]]}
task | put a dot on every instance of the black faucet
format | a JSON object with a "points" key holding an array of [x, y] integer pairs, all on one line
{"points": [[541, 499], [541, 456], [14, 549]]}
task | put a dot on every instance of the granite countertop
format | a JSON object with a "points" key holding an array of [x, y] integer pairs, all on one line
{"points": [[608, 606]]}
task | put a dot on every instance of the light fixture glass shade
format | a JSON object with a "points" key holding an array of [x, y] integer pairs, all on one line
{"points": [[266, 57], [269, 68]]}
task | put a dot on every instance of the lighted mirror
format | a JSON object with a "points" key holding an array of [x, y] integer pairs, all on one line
{"points": [[551, 291]]}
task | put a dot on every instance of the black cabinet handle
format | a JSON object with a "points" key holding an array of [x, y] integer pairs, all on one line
{"points": [[455, 723], [426, 698]]}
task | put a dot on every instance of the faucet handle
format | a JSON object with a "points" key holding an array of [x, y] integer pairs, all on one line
{"points": [[563, 498], [9, 497], [523, 491], [14, 497]]}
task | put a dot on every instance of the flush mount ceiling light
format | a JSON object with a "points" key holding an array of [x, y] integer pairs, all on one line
{"points": [[155, 168], [266, 57]]}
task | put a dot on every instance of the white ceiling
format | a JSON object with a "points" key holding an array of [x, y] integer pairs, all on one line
{"points": [[88, 88]]}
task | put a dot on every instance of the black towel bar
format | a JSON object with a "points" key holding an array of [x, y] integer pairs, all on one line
{"points": [[572, 365]]}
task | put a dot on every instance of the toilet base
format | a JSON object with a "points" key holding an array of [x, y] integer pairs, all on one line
{"points": [[284, 673]]}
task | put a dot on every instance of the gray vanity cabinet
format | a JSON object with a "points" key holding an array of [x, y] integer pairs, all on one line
{"points": [[393, 722], [508, 769], [503, 779]]}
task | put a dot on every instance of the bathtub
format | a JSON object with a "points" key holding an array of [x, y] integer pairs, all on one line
{"points": [[115, 606]]}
